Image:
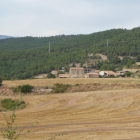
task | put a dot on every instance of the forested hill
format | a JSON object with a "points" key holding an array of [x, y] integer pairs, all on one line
{"points": [[4, 37], [25, 57], [29, 42]]}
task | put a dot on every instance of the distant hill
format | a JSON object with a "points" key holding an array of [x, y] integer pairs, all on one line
{"points": [[5, 37], [25, 57]]}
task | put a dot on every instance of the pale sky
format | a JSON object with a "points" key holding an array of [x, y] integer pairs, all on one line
{"points": [[51, 17]]}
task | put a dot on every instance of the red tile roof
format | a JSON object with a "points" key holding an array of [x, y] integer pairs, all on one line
{"points": [[75, 68], [93, 73], [64, 75], [110, 72]]}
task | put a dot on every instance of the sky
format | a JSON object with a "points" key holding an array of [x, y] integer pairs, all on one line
{"points": [[54, 17]]}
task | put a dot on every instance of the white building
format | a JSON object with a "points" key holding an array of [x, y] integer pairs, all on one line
{"points": [[107, 73]]}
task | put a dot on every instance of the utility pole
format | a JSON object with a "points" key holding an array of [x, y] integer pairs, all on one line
{"points": [[49, 48], [59, 33]]}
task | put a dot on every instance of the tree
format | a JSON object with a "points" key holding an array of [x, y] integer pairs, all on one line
{"points": [[0, 80], [92, 66], [138, 58], [66, 69], [73, 65], [60, 72], [81, 64], [129, 64], [50, 75], [26, 88], [128, 74]]}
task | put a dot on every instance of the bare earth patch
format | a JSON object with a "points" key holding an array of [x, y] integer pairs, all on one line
{"points": [[104, 57]]}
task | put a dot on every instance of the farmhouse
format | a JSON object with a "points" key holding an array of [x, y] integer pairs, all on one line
{"points": [[76, 72], [92, 75], [54, 72], [89, 70], [64, 76], [122, 73], [107, 73]]}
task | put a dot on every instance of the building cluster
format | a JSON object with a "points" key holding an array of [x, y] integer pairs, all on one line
{"points": [[79, 72]]}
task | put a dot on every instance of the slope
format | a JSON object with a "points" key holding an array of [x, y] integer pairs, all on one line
{"points": [[25, 57], [5, 37]]}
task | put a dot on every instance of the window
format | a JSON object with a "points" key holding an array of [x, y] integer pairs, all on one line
{"points": [[77, 72]]}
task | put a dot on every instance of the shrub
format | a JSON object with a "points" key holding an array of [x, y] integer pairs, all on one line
{"points": [[60, 88], [26, 88], [110, 76], [16, 89], [5, 102], [128, 74], [60, 72], [10, 104], [50, 75], [76, 84]]}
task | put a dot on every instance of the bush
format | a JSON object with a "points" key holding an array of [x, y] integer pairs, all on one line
{"points": [[10, 104], [60, 72], [5, 102], [16, 89], [111, 76], [50, 75], [60, 88], [128, 74], [26, 88], [76, 84]]}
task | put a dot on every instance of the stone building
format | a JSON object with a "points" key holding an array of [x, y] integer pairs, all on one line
{"points": [[92, 75], [76, 72]]}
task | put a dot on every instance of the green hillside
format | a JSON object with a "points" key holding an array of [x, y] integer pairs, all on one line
{"points": [[5, 37], [22, 58]]}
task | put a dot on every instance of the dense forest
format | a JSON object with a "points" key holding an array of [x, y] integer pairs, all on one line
{"points": [[25, 57]]}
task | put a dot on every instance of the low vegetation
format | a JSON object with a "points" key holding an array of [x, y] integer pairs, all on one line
{"points": [[128, 74], [23, 89], [16, 89], [60, 72], [9, 104], [50, 75], [110, 76], [26, 88], [60, 88]]}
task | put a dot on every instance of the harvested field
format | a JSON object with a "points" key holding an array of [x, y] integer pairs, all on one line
{"points": [[92, 115], [71, 81]]}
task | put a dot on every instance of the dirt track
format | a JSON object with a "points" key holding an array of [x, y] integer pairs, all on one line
{"points": [[96, 115]]}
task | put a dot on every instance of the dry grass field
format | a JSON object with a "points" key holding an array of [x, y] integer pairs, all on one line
{"points": [[71, 81], [92, 115]]}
